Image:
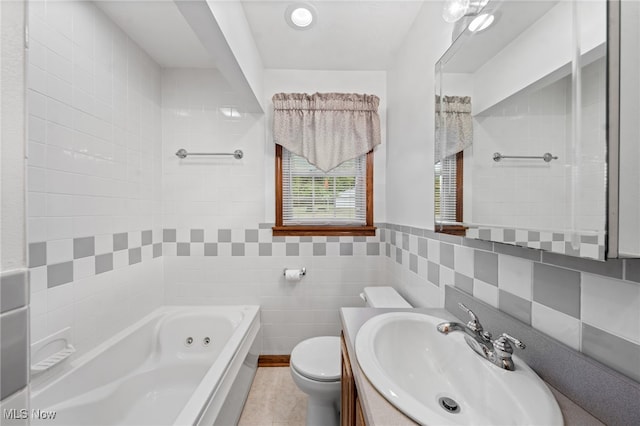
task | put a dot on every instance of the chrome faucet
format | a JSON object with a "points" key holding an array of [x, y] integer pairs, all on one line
{"points": [[497, 352]]}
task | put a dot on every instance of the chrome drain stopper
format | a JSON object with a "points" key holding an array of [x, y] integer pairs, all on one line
{"points": [[449, 404]]}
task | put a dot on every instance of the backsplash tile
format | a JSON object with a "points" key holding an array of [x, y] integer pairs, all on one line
{"points": [[611, 350], [543, 295], [557, 288]]}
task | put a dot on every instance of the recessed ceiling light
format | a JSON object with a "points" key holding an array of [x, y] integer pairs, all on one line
{"points": [[481, 22], [300, 16]]}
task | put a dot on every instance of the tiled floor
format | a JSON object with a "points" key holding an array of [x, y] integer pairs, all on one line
{"points": [[274, 400]]}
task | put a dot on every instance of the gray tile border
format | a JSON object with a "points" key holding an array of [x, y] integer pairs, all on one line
{"points": [[413, 263], [14, 351], [373, 249], [433, 273], [399, 255], [157, 250], [525, 253], [264, 249], [392, 237], [346, 249], [104, 263], [292, 249], [196, 236], [359, 239], [183, 249], [135, 255], [387, 249], [422, 247], [278, 239], [147, 237], [620, 354], [483, 234], [210, 249], [84, 247], [14, 290], [431, 234], [306, 239], [333, 239], [120, 241], [265, 225], [447, 255], [224, 235], [557, 237], [405, 241], [169, 236], [533, 236], [515, 306], [463, 282], [37, 254], [237, 249], [509, 235], [319, 249], [557, 288], [59, 273], [453, 239], [417, 231], [632, 270], [485, 266], [250, 235], [478, 244], [611, 268]]}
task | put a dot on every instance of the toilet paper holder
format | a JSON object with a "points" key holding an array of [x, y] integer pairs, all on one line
{"points": [[303, 271]]}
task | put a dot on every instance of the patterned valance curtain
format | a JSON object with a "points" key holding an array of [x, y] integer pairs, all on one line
{"points": [[454, 126], [326, 128]]}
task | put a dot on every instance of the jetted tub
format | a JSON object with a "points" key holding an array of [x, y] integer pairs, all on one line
{"points": [[187, 365]]}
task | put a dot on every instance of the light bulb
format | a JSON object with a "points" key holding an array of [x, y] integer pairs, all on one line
{"points": [[454, 10], [301, 17], [481, 22]]}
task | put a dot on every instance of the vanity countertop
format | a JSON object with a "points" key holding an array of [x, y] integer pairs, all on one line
{"points": [[378, 411]]}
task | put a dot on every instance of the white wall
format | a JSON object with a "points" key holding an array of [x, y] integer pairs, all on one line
{"points": [[410, 112], [93, 172], [12, 108]]}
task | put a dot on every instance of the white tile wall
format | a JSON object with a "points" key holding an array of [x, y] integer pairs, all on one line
{"points": [[94, 114], [531, 194]]}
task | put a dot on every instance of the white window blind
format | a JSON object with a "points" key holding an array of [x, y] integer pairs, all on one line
{"points": [[445, 190], [313, 197]]}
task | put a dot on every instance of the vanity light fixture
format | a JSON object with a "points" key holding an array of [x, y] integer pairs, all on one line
{"points": [[454, 10], [300, 16], [481, 22]]}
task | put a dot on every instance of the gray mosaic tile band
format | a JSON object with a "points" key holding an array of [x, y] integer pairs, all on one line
{"points": [[62, 272]]}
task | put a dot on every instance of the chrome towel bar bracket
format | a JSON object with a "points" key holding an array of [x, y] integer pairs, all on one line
{"points": [[547, 156], [237, 154]]}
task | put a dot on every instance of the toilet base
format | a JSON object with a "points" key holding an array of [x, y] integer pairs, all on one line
{"points": [[322, 412]]}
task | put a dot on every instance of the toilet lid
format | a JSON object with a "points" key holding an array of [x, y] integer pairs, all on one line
{"points": [[318, 358]]}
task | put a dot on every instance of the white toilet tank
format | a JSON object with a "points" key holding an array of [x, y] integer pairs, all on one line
{"points": [[384, 297]]}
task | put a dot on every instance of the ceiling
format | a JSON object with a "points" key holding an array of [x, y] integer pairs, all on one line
{"points": [[348, 35]]}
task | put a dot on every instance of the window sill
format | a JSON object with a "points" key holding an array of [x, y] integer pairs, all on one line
{"points": [[458, 230], [331, 231]]}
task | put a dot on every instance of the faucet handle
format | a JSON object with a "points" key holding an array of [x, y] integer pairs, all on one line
{"points": [[474, 324], [503, 343]]}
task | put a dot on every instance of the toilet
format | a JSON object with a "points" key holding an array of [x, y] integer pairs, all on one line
{"points": [[315, 363]]}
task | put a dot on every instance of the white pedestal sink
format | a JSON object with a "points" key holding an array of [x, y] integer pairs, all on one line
{"points": [[422, 372]]}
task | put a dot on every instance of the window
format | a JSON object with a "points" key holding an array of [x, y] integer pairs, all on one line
{"points": [[311, 202], [448, 195]]}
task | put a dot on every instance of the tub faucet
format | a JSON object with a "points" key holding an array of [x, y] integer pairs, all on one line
{"points": [[497, 352]]}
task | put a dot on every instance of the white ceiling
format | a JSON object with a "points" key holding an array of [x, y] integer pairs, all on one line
{"points": [[348, 35], [159, 28]]}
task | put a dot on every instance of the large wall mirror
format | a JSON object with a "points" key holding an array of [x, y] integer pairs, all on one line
{"points": [[521, 127]]}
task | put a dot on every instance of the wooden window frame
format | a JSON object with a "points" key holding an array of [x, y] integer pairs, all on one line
{"points": [[459, 230], [281, 230]]}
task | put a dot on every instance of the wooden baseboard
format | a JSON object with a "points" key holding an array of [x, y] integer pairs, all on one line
{"points": [[273, 360]]}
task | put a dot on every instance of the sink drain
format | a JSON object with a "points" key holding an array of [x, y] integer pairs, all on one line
{"points": [[449, 405]]}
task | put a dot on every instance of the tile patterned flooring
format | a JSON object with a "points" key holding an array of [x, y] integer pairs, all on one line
{"points": [[274, 400]]}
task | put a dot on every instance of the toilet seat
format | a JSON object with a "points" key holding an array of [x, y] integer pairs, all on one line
{"points": [[318, 358]]}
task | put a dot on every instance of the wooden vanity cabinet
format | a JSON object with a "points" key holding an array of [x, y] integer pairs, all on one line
{"points": [[350, 409]]}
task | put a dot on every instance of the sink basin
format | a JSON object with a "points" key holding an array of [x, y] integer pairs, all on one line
{"points": [[420, 371]]}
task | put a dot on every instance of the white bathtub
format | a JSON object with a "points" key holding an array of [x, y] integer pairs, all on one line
{"points": [[149, 374]]}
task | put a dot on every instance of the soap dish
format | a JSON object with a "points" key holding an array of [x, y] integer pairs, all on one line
{"points": [[51, 351]]}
